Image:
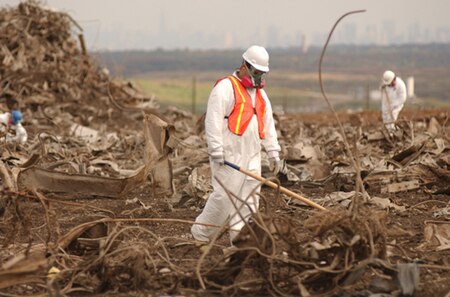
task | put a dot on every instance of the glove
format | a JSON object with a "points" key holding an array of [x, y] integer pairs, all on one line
{"points": [[275, 165], [274, 162], [218, 158]]}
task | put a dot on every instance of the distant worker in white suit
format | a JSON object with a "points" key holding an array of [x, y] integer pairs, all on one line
{"points": [[11, 127], [238, 121], [393, 99]]}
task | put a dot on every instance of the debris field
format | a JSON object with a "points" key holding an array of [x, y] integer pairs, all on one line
{"points": [[101, 198]]}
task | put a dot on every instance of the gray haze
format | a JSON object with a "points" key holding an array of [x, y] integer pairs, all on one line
{"points": [[207, 24]]}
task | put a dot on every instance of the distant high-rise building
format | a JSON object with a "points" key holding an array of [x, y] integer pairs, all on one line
{"points": [[426, 36], [228, 40], [371, 35], [305, 44], [388, 31], [349, 33], [442, 34], [414, 33]]}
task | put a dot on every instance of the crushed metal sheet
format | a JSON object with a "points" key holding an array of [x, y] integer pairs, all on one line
{"points": [[24, 268], [436, 236], [385, 203], [199, 185], [433, 127], [156, 135]]}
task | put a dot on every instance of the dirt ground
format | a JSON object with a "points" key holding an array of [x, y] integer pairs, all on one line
{"points": [[140, 244]]}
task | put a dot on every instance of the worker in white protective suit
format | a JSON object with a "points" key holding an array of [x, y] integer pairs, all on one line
{"points": [[11, 127], [238, 121], [393, 99]]}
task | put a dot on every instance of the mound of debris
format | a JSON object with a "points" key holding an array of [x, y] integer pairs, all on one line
{"points": [[48, 73], [80, 121]]}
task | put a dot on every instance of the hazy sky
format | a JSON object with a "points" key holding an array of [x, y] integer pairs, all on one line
{"points": [[148, 24]]}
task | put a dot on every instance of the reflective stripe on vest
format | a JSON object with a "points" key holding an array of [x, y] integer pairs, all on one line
{"points": [[243, 110]]}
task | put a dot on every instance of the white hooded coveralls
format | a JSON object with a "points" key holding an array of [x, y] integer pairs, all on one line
{"points": [[21, 134], [244, 151], [392, 104]]}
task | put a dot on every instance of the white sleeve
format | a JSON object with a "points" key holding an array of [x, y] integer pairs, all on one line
{"points": [[21, 134], [220, 103], [401, 93], [270, 142], [385, 110], [4, 118]]}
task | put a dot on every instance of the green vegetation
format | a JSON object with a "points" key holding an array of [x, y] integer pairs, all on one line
{"points": [[175, 92], [177, 89]]}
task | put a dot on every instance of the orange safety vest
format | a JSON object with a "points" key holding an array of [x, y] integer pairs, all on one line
{"points": [[243, 110]]}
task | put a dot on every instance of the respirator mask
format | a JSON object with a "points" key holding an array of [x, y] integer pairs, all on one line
{"points": [[254, 78]]}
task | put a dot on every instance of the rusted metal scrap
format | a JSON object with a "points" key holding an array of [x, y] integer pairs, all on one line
{"points": [[24, 268], [41, 179], [6, 177], [402, 186], [156, 134]]}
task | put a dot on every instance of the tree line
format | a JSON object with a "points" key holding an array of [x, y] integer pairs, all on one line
{"points": [[339, 57]]}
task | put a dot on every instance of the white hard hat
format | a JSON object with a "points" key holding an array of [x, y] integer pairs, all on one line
{"points": [[258, 57], [388, 77]]}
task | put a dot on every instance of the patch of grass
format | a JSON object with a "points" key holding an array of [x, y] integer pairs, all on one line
{"points": [[175, 92]]}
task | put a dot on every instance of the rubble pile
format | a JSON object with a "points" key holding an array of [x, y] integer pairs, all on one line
{"points": [[415, 156], [79, 119], [49, 74], [288, 253], [288, 256]]}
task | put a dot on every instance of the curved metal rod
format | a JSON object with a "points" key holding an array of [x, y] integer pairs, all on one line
{"points": [[323, 54], [359, 183]]}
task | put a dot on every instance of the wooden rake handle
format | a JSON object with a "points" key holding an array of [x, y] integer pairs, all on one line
{"points": [[275, 186]]}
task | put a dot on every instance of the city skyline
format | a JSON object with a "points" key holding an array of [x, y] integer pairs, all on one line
{"points": [[347, 33], [203, 24]]}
